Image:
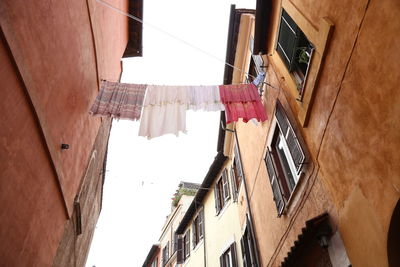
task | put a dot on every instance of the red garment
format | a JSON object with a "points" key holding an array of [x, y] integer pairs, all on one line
{"points": [[242, 101]]}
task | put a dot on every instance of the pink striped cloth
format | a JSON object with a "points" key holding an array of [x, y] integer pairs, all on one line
{"points": [[119, 100], [242, 101]]}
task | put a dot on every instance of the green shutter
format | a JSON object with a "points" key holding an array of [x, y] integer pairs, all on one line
{"points": [[288, 39], [276, 189]]}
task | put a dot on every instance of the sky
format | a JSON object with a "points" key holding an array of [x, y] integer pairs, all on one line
{"points": [[142, 175]]}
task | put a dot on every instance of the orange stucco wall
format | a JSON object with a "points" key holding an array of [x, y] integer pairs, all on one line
{"points": [[53, 54], [352, 136], [29, 193]]}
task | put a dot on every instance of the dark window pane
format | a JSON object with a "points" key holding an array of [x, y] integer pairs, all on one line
{"points": [[287, 40]]}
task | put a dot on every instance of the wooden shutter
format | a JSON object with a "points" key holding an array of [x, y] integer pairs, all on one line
{"points": [[194, 232], [238, 162], [251, 244], [244, 252], [221, 261], [234, 186], [180, 251], [225, 185], [187, 244], [292, 141], [201, 224], [276, 189], [233, 255], [288, 40], [216, 195]]}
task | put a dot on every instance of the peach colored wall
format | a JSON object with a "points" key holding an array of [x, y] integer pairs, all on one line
{"points": [[352, 136], [360, 151], [45, 101], [29, 194]]}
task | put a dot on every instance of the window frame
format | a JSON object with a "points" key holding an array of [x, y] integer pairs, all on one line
{"points": [[319, 35], [229, 257], [198, 228], [154, 262], [222, 192], [236, 173], [247, 244], [281, 184], [165, 254], [298, 37], [186, 245]]}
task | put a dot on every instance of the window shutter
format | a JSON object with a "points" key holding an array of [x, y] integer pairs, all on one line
{"points": [[216, 195], [188, 243], [292, 141], [281, 118], [233, 181], [180, 250], [244, 252], [225, 185], [201, 224], [194, 231], [221, 261], [251, 244], [238, 162], [233, 253], [295, 149], [276, 189], [288, 39]]}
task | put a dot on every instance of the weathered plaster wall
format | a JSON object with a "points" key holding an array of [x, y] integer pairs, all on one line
{"points": [[59, 60], [73, 248], [354, 174], [359, 154], [53, 47], [223, 229], [110, 31], [29, 193]]}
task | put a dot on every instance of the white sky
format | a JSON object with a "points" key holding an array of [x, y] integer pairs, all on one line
{"points": [[142, 175]]}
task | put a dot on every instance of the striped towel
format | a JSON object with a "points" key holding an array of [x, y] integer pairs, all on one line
{"points": [[119, 100]]}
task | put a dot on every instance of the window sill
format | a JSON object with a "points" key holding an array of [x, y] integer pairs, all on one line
{"points": [[222, 211], [198, 245], [295, 192], [320, 39]]}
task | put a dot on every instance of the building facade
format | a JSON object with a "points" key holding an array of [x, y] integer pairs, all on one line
{"points": [[168, 238], [53, 153], [321, 173], [153, 257]]}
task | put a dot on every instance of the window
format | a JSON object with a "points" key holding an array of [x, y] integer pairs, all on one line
{"points": [[256, 61], [186, 242], [183, 247], [236, 173], [165, 254], [294, 49], [284, 159], [228, 258], [155, 262], [221, 191], [247, 245], [198, 228], [175, 244]]}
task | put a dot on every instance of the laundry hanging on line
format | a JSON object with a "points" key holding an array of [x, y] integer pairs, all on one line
{"points": [[119, 100], [164, 107]]}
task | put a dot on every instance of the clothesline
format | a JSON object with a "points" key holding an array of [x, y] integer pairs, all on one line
{"points": [[162, 109], [173, 36]]}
